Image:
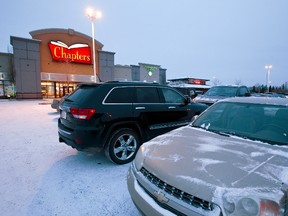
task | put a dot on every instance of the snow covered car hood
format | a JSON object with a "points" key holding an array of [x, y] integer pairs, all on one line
{"points": [[208, 99], [207, 165]]}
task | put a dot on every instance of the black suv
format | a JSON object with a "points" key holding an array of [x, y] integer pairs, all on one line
{"points": [[120, 116]]}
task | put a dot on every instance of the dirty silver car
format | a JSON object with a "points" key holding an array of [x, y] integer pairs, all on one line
{"points": [[232, 160]]}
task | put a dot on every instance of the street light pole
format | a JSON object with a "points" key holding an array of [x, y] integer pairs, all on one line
{"points": [[268, 68], [92, 15]]}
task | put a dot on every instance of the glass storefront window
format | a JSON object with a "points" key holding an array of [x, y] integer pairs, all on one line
{"points": [[1, 89], [47, 89], [7, 89], [56, 89], [63, 89]]}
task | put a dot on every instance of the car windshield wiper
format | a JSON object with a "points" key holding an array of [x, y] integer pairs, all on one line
{"points": [[245, 136], [256, 139], [213, 131], [219, 132]]}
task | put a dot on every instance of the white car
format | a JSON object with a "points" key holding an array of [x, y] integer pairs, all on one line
{"points": [[232, 161]]}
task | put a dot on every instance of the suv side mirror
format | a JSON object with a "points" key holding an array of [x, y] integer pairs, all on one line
{"points": [[193, 94], [187, 100]]}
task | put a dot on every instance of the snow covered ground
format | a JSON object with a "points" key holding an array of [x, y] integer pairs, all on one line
{"points": [[40, 176]]}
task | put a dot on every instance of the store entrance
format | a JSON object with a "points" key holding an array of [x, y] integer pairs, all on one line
{"points": [[66, 90], [63, 89], [57, 89]]}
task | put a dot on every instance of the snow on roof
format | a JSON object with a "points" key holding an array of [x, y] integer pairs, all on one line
{"points": [[186, 85]]}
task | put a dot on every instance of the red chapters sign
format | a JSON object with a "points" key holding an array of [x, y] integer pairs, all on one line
{"points": [[77, 53]]}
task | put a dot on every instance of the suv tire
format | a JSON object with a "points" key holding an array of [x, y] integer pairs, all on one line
{"points": [[122, 146]]}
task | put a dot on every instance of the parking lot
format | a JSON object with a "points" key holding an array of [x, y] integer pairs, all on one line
{"points": [[40, 176]]}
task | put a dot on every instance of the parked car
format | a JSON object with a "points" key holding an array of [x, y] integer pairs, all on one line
{"points": [[231, 161], [120, 116], [57, 102], [216, 93], [269, 94]]}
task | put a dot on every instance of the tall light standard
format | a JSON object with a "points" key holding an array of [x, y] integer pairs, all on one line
{"points": [[268, 68], [92, 15]]}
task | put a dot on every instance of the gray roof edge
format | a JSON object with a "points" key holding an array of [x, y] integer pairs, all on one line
{"points": [[64, 31], [24, 39]]}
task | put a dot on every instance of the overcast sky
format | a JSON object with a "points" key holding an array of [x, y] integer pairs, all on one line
{"points": [[227, 40]]}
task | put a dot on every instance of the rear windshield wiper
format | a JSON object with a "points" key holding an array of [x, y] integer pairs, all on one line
{"points": [[67, 99]]}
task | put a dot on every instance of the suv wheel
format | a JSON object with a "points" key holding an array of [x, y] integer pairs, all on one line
{"points": [[122, 146]]}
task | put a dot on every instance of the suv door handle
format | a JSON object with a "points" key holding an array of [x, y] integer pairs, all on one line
{"points": [[171, 107], [140, 108]]}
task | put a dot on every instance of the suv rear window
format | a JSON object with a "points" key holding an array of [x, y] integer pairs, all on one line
{"points": [[80, 94]]}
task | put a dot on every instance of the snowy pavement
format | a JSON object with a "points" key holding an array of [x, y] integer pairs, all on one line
{"points": [[40, 176]]}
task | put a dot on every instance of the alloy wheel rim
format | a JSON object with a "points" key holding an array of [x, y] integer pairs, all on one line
{"points": [[125, 147]]}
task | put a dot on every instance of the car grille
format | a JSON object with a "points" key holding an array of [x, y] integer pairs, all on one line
{"points": [[177, 193]]}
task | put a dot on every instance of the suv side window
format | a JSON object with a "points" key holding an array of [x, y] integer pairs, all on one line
{"points": [[147, 95], [172, 96], [120, 95]]}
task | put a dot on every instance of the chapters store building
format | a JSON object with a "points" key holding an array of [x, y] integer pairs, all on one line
{"points": [[54, 61]]}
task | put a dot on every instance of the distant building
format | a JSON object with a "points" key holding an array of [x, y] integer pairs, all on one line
{"points": [[142, 72], [54, 61], [6, 75]]}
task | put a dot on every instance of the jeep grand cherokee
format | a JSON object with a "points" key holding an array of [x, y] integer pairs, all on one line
{"points": [[120, 116]]}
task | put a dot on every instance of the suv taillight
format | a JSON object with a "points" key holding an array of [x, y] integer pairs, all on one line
{"points": [[82, 113]]}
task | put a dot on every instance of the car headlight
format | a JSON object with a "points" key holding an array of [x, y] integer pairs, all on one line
{"points": [[251, 207], [138, 161], [247, 206]]}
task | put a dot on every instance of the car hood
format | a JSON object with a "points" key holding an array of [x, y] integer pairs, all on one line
{"points": [[207, 165], [209, 99]]}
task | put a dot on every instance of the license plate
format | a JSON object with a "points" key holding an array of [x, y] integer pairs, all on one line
{"points": [[63, 114]]}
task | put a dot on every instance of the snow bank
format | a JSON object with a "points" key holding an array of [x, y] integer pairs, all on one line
{"points": [[40, 176]]}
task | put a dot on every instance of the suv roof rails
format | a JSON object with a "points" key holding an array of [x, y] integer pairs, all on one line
{"points": [[133, 82]]}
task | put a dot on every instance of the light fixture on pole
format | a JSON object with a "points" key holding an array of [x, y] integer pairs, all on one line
{"points": [[268, 68], [92, 15]]}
